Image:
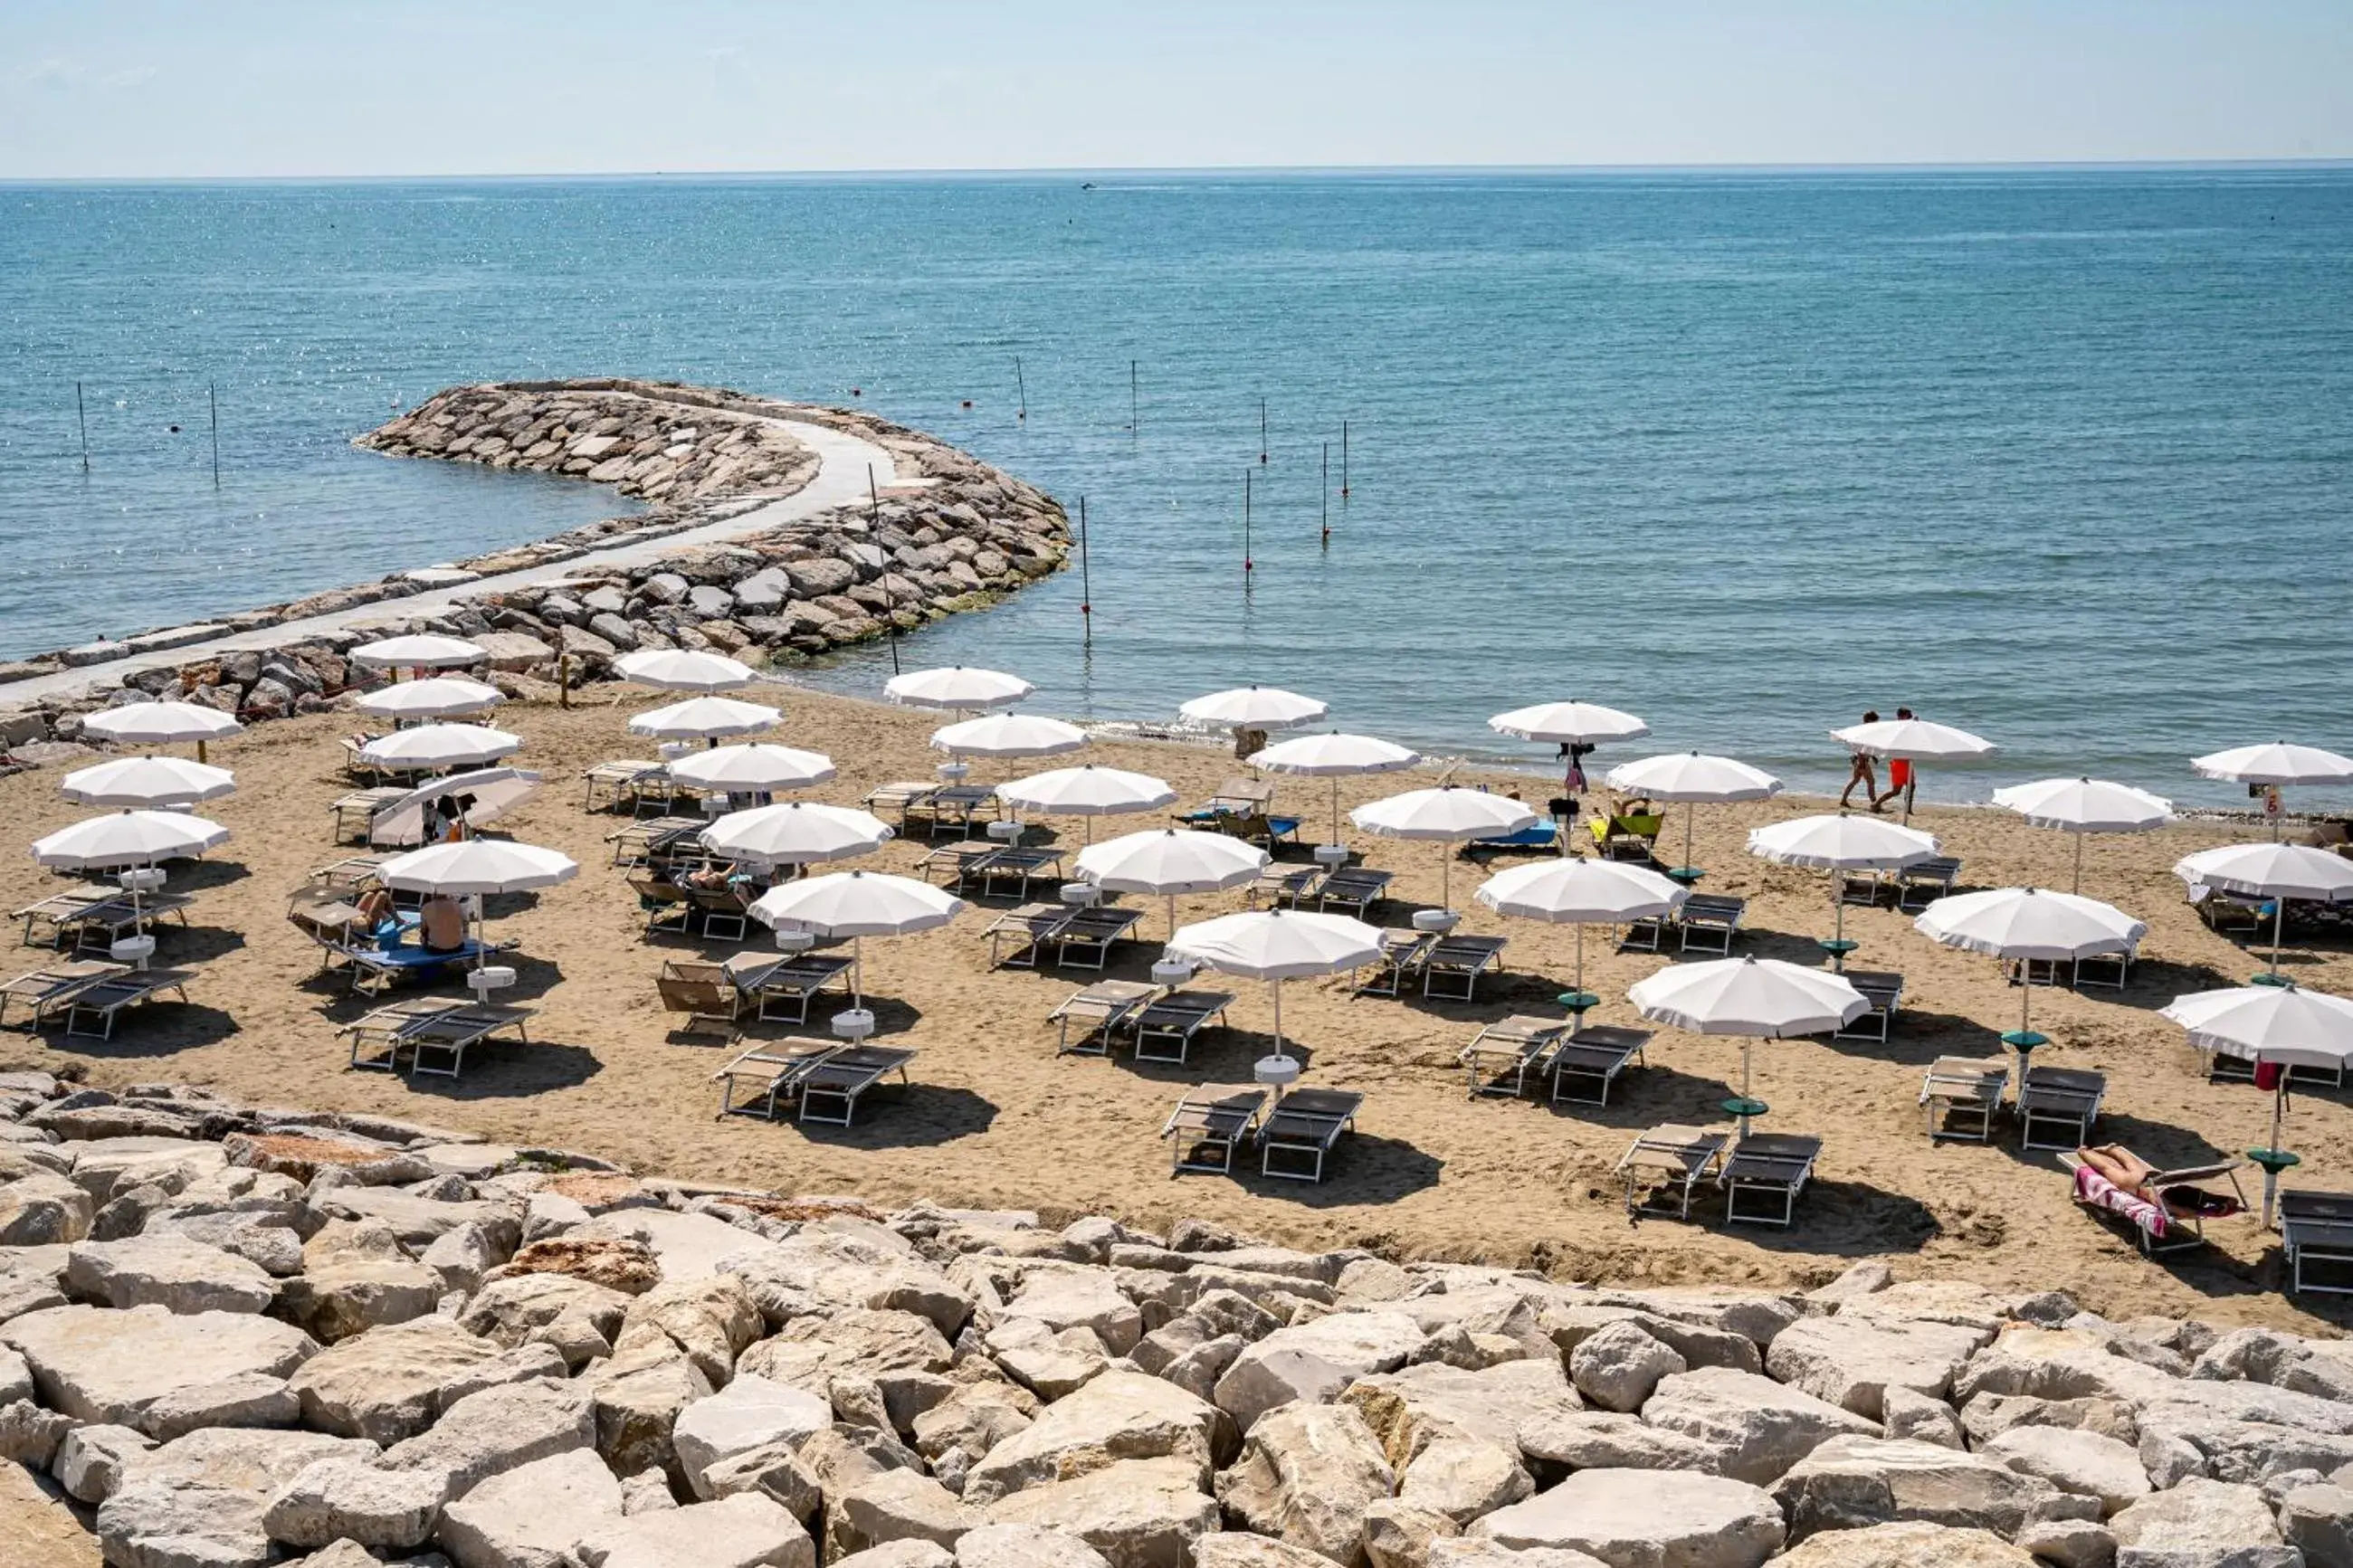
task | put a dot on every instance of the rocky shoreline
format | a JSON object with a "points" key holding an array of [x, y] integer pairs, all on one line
{"points": [[238, 1334], [953, 534]]}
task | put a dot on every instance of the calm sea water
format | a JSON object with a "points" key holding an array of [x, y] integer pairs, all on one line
{"points": [[2060, 457]]}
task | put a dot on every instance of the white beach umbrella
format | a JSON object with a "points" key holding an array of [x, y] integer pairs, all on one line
{"points": [[1254, 708], [126, 839], [856, 904], [956, 687], [1913, 740], [1334, 756], [2284, 1025], [743, 769], [1008, 735], [1087, 790], [1168, 861], [489, 795], [1839, 843], [2273, 870], [683, 669], [1754, 998], [438, 698], [1276, 946], [2279, 762], [1581, 893], [161, 724], [704, 717], [2028, 924], [1569, 724], [473, 867], [2084, 805], [1691, 777], [441, 746], [421, 651], [796, 832], [1450, 813], [148, 782]]}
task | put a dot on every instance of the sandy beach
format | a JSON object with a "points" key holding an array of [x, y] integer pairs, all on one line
{"points": [[995, 1119]]}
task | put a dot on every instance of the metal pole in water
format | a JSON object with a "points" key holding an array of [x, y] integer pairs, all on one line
{"points": [[889, 605], [1247, 563], [1133, 417], [1023, 387], [1344, 460], [212, 396], [1327, 495], [82, 419], [1261, 429], [1086, 580]]}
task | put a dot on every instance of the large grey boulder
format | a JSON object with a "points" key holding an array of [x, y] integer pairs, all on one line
{"points": [[577, 1317], [858, 1345], [355, 1276], [1603, 1440], [43, 1209], [894, 1505], [2201, 1524], [1119, 1415], [749, 1413], [1416, 1406], [168, 1270], [711, 1319], [200, 1501], [106, 1168], [31, 1278], [2083, 1462], [1027, 1546], [1080, 1299], [354, 1499], [494, 1430], [390, 1383], [1306, 1475], [1847, 1483], [1759, 1427], [638, 1396], [1465, 1478], [839, 1264], [1616, 1366], [1315, 1361], [1910, 1545], [247, 1399], [2316, 1519], [1851, 1360], [1666, 1518], [1905, 1414], [532, 1516], [688, 1246], [745, 1531], [88, 1463], [1139, 1513], [101, 1366]]}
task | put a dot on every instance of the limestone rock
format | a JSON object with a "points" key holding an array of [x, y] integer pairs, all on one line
{"points": [[1850, 1360], [1667, 1519], [88, 1463], [2201, 1524], [1616, 1366], [688, 1246], [975, 1418], [1082, 1298], [1139, 1513], [2316, 1519], [1847, 1483], [101, 1366], [638, 1398], [355, 1277], [200, 1501], [1905, 1414], [858, 1344], [1239, 1548], [745, 1531], [1314, 1361], [531, 1517], [31, 1278], [1399, 1535], [712, 1320], [1910, 1545], [896, 1505], [2083, 1462], [618, 1263], [353, 1500], [1117, 1417], [1306, 1475], [247, 1399], [42, 1208], [106, 1168], [1466, 1478], [774, 1471], [749, 1413], [577, 1318], [1599, 1440], [1478, 1551], [1027, 1546], [2063, 1542], [390, 1383], [495, 1430], [30, 1435], [167, 1271], [1760, 1427], [854, 1265]]}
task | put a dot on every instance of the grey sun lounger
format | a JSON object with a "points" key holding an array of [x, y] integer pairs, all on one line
{"points": [[1020, 866], [619, 780], [1020, 935], [376, 1034], [54, 985], [1922, 882], [2317, 1232], [1293, 885], [2057, 1106], [640, 843], [773, 1072], [447, 1034], [831, 1086], [1883, 989], [668, 908], [1099, 1010], [955, 864], [1960, 1096], [1356, 888], [103, 1001], [957, 808], [2220, 1069], [56, 908], [706, 993], [1303, 1129], [106, 923], [1093, 930], [1764, 1175], [1500, 1055], [1674, 1159], [1207, 1126], [776, 984], [1710, 920], [1401, 951], [1584, 1066], [1164, 1028], [361, 804], [1458, 959]]}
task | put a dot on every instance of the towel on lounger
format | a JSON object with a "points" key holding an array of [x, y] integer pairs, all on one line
{"points": [[2096, 1190]]}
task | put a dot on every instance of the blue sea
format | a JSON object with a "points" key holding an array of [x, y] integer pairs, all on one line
{"points": [[2061, 457]]}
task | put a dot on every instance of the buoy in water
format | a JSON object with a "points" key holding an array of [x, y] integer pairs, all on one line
{"points": [[968, 402], [857, 392]]}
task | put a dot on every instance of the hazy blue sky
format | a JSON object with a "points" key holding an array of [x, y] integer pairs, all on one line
{"points": [[128, 88]]}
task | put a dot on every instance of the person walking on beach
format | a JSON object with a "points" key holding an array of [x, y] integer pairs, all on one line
{"points": [[1899, 776], [1861, 772]]}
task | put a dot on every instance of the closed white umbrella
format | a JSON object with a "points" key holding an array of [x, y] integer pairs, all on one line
{"points": [[1753, 998], [1008, 735], [421, 651], [956, 688], [1915, 741], [2084, 805], [439, 697], [148, 782], [1839, 843], [743, 769], [1276, 946], [1450, 813], [1169, 861], [1581, 892], [488, 794], [2284, 1025], [2028, 925], [1334, 756], [162, 724], [1089, 792], [2276, 871], [856, 904], [441, 746], [2279, 762], [474, 866], [1692, 777], [796, 832], [1254, 708], [127, 838], [1569, 724], [683, 669], [704, 717]]}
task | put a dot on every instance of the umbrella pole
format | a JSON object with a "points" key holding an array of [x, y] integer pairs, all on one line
{"points": [[1172, 917], [1336, 808], [2279, 931], [1445, 875], [1691, 809], [2079, 862], [1580, 955], [857, 974], [1838, 907], [1744, 1099], [2271, 1168], [1276, 986]]}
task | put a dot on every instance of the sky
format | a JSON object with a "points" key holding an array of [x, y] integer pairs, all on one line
{"points": [[179, 88]]}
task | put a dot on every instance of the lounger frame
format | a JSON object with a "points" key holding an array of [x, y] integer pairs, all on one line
{"points": [[1586, 1065], [1303, 1127], [1764, 1168]]}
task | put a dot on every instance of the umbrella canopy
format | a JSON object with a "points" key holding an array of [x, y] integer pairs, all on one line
{"points": [[752, 767], [856, 904], [423, 651], [796, 832], [2273, 870], [2282, 1025], [1581, 893], [127, 838], [489, 794], [1569, 724], [1254, 708], [1276, 946], [1089, 792], [2030, 922], [956, 687], [1919, 740], [441, 746], [683, 669], [436, 698], [160, 723], [1170, 861], [1840, 843], [1008, 735], [1692, 777], [1762, 998], [703, 717], [478, 866], [2084, 805], [148, 780], [2277, 764], [1334, 756], [1450, 813]]}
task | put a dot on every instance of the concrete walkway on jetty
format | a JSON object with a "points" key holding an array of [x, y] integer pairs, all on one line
{"points": [[843, 461]]}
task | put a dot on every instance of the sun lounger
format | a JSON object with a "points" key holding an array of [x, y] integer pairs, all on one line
{"points": [[725, 910], [447, 1034], [2112, 970], [772, 983], [1543, 838], [1244, 809], [2057, 1106], [1293, 885], [1208, 1125], [2173, 1221], [1768, 1171], [347, 874], [1098, 1010], [54, 985], [831, 1085], [1093, 930], [102, 1000], [2241, 914], [1711, 920], [1458, 959], [1922, 882], [1164, 1028], [1626, 838], [1499, 1055], [1645, 935], [666, 906], [2220, 1069], [773, 1070], [957, 808], [1301, 1130], [643, 842], [375, 968], [1021, 865], [1354, 887], [619, 781], [361, 806], [1020, 935], [1883, 989], [58, 908], [955, 864], [1959, 1096], [2315, 1231], [1584, 1065], [104, 924], [896, 797], [1673, 1160], [376, 1034], [1401, 951], [705, 993]]}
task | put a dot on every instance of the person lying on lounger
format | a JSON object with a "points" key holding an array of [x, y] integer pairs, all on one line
{"points": [[718, 878], [2123, 1169], [377, 917]]}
